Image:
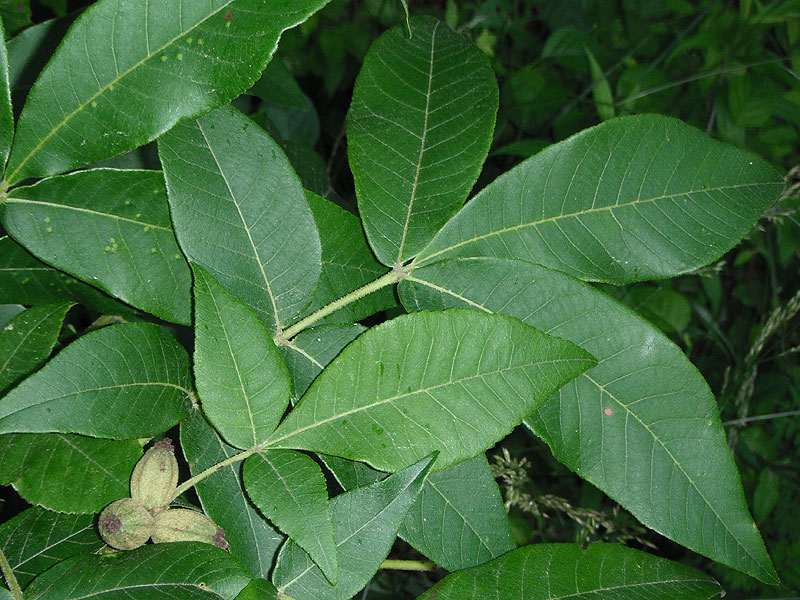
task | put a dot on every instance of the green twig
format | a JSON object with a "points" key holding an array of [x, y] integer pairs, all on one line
{"points": [[408, 565], [389, 278], [11, 579], [743, 420], [189, 483]]}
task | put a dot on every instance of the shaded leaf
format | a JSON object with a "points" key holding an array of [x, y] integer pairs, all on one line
{"points": [[123, 381], [126, 247], [556, 571], [36, 539], [421, 382], [634, 198], [26, 342], [347, 264], [253, 541], [26, 279], [418, 131], [642, 425], [186, 570], [8, 312], [365, 524], [137, 68], [241, 378], [289, 489], [6, 114], [458, 520], [277, 85], [68, 473], [15, 14], [312, 349], [240, 213], [601, 89], [259, 589]]}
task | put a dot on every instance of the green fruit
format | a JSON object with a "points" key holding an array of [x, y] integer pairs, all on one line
{"points": [[155, 476], [125, 524], [184, 525]]}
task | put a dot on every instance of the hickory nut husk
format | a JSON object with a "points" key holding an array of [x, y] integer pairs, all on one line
{"points": [[125, 524], [155, 476], [185, 525]]}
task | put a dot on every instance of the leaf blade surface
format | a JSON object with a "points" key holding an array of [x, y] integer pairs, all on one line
{"points": [[414, 385], [634, 198], [418, 131], [642, 425]]}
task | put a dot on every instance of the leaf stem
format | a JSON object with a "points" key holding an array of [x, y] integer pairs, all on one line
{"points": [[189, 483], [408, 565], [11, 579], [389, 278]]}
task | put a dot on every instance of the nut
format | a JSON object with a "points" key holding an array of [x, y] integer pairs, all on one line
{"points": [[184, 525], [125, 524], [155, 476]]}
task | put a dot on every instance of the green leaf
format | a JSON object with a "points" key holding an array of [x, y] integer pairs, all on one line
{"points": [[16, 14], [26, 279], [418, 131], [634, 198], [289, 489], [26, 342], [36, 539], [278, 86], [68, 473], [557, 571], [28, 52], [241, 378], [6, 114], [126, 247], [123, 381], [601, 90], [134, 69], [365, 524], [421, 382], [642, 425], [458, 521], [311, 350], [259, 589], [767, 494], [8, 312], [240, 213], [347, 264], [253, 541], [185, 570]]}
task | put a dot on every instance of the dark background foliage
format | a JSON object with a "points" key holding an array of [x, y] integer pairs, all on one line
{"points": [[731, 69]]}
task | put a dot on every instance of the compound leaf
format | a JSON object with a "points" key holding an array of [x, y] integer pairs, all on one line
{"points": [[254, 542], [560, 571], [132, 69], [418, 131], [186, 570], [642, 425], [36, 539], [68, 473], [289, 488], [634, 198], [240, 213], [27, 340], [123, 381], [365, 523], [241, 378], [126, 247], [420, 383]]}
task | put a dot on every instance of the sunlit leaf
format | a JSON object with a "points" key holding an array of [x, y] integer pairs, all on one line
{"points": [[135, 68], [418, 131], [123, 381], [634, 198], [423, 382]]}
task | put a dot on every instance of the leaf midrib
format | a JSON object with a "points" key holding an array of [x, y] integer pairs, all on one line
{"points": [[271, 443], [96, 213], [423, 259], [107, 86]]}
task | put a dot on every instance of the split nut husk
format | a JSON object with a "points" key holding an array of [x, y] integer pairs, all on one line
{"points": [[125, 524], [155, 476], [185, 525]]}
